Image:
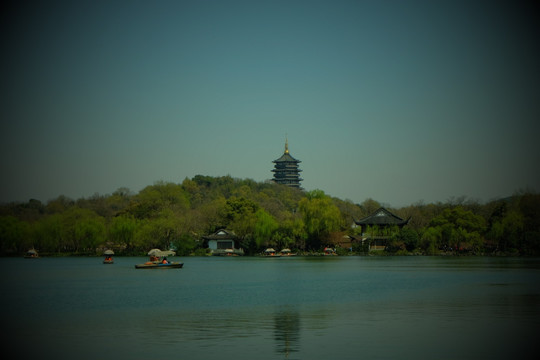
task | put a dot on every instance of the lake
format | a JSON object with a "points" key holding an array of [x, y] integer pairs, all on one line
{"points": [[273, 308]]}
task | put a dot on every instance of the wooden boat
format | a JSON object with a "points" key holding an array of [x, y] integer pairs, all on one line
{"points": [[270, 252], [159, 265], [108, 257], [286, 252], [158, 260], [31, 254], [329, 252]]}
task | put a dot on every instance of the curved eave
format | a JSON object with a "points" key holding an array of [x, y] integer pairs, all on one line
{"points": [[286, 158]]}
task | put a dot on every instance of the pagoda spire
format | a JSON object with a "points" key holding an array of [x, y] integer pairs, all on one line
{"points": [[286, 145]]}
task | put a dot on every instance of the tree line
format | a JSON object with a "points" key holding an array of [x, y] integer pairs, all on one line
{"points": [[262, 214]]}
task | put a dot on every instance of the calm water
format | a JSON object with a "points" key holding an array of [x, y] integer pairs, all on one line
{"points": [[273, 308]]}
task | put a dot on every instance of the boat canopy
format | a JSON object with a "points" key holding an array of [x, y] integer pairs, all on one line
{"points": [[158, 252]]}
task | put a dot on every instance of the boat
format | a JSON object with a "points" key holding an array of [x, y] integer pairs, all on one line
{"points": [[270, 252], [108, 257], [156, 265], [329, 252], [286, 252], [31, 254], [158, 260]]}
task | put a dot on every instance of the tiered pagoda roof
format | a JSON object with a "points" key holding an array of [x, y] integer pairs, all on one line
{"points": [[286, 169]]}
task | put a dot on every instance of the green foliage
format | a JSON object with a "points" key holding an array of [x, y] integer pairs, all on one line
{"points": [[122, 230], [265, 226], [48, 232], [430, 240], [410, 238], [458, 229], [321, 217], [184, 244], [240, 214], [153, 199], [166, 215], [13, 234], [82, 230]]}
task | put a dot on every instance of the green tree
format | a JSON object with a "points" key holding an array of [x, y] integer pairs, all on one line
{"points": [[265, 226], [81, 230], [321, 217], [240, 216], [430, 240], [458, 227], [14, 235], [184, 244], [410, 238], [162, 195], [122, 231], [48, 233], [291, 234], [162, 231]]}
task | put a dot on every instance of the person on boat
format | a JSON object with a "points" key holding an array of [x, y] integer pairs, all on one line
{"points": [[153, 258], [165, 261]]}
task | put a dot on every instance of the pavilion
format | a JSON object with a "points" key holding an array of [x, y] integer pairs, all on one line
{"points": [[223, 243], [378, 222]]}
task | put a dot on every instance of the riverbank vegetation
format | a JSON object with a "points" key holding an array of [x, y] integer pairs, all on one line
{"points": [[262, 215]]}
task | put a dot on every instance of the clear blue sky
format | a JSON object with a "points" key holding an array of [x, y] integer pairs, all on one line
{"points": [[399, 101]]}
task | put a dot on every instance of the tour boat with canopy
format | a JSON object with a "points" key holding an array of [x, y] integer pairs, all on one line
{"points": [[108, 257], [158, 260], [31, 254]]}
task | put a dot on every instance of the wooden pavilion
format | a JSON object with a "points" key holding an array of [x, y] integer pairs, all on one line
{"points": [[374, 228]]}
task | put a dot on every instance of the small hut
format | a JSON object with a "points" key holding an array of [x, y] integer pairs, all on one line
{"points": [[222, 242]]}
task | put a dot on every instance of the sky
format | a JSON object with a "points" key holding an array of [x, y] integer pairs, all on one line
{"points": [[398, 101]]}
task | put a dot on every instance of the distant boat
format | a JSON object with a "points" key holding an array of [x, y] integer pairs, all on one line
{"points": [[153, 265], [286, 252], [31, 254], [270, 252], [158, 260], [108, 257], [329, 251]]}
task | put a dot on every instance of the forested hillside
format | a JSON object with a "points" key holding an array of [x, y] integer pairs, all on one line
{"points": [[167, 215]]}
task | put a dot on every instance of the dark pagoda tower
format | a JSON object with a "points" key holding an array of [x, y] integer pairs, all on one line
{"points": [[286, 169]]}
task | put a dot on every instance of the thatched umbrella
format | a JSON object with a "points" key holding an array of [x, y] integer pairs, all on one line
{"points": [[158, 252]]}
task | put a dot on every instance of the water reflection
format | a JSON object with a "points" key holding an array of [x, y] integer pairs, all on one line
{"points": [[287, 331], [248, 309]]}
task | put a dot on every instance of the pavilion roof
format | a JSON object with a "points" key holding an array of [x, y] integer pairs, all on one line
{"points": [[382, 217], [221, 234]]}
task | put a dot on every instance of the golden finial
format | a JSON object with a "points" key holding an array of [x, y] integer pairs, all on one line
{"points": [[286, 146]]}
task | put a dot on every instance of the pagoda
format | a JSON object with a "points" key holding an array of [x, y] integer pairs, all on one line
{"points": [[286, 169]]}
